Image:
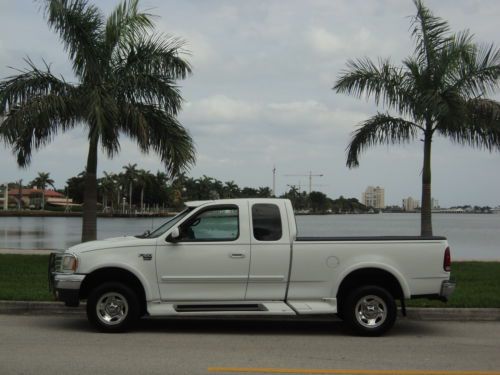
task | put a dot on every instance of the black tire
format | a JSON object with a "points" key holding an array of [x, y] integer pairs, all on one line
{"points": [[369, 310], [113, 307]]}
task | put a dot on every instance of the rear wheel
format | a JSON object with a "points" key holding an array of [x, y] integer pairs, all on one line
{"points": [[369, 310], [112, 307]]}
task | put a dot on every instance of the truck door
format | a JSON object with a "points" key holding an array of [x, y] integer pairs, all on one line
{"points": [[271, 252], [210, 260]]}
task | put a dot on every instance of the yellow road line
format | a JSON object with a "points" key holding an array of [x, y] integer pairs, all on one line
{"points": [[264, 370]]}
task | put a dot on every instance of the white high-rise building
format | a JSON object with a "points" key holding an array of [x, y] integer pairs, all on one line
{"points": [[374, 197], [434, 203], [410, 204]]}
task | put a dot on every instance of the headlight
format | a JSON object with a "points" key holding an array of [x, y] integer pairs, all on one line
{"points": [[69, 263]]}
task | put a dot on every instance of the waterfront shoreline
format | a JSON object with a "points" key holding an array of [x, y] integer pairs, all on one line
{"points": [[79, 214]]}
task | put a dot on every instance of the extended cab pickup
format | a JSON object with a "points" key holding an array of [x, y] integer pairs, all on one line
{"points": [[243, 257]]}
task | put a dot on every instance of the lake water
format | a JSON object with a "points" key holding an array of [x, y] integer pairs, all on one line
{"points": [[470, 236]]}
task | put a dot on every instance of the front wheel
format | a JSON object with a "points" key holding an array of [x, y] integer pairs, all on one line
{"points": [[112, 307], [370, 311]]}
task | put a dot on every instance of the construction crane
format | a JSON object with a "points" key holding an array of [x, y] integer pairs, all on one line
{"points": [[310, 175]]}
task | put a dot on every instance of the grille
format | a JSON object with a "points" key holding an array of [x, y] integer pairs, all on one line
{"points": [[55, 260]]}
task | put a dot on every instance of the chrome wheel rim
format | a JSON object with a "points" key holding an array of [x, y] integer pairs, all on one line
{"points": [[371, 311], [112, 308]]}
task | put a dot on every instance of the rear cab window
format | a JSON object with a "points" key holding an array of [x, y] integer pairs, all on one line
{"points": [[266, 222]]}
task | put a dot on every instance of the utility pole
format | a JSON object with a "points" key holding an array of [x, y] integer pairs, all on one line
{"points": [[310, 175], [274, 180]]}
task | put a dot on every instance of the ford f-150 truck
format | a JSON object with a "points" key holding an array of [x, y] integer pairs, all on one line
{"points": [[244, 257]]}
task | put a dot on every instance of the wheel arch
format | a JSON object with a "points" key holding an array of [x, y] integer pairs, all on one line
{"points": [[114, 274], [372, 275]]}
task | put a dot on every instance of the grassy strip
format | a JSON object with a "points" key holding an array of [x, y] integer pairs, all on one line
{"points": [[478, 285], [24, 277]]}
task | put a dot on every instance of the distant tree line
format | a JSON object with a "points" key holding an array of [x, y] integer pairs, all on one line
{"points": [[138, 190]]}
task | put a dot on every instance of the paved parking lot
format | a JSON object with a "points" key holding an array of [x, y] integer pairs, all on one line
{"points": [[66, 345]]}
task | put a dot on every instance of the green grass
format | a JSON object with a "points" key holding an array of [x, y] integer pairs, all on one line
{"points": [[24, 277], [478, 285]]}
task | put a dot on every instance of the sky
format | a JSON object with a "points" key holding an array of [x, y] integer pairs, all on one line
{"points": [[261, 95]]}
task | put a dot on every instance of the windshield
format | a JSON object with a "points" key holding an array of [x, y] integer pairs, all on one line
{"points": [[169, 224]]}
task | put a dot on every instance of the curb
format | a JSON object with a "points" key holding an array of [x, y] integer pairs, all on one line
{"points": [[39, 308], [454, 314], [413, 313]]}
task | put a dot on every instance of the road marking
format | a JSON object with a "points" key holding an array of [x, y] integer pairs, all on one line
{"points": [[264, 370]]}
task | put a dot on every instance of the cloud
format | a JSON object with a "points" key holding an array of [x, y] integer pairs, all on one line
{"points": [[324, 41], [220, 109]]}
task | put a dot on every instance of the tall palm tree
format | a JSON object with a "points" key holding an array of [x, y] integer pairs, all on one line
{"points": [[130, 176], [440, 90], [231, 189], [126, 85], [143, 179], [108, 187], [41, 182]]}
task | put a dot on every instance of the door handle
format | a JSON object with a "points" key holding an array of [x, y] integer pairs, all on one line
{"points": [[237, 255]]}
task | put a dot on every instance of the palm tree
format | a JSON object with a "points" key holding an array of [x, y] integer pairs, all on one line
{"points": [[41, 182], [130, 176], [231, 189], [143, 179], [126, 85], [440, 90], [108, 186]]}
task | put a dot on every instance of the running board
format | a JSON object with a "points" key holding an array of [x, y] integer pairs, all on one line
{"points": [[218, 308]]}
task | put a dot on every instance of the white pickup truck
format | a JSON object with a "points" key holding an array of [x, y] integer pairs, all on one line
{"points": [[243, 257]]}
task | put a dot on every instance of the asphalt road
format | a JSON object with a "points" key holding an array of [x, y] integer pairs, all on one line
{"points": [[66, 345]]}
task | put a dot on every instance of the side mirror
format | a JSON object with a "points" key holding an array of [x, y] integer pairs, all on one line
{"points": [[174, 235]]}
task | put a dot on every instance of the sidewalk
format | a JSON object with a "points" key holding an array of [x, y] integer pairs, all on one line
{"points": [[425, 314]]}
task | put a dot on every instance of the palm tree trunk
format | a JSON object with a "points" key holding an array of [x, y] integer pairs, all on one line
{"points": [[89, 225], [130, 199], [142, 199], [425, 216]]}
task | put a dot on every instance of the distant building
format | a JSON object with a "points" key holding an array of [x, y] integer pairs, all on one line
{"points": [[434, 203], [410, 204], [374, 197], [32, 198]]}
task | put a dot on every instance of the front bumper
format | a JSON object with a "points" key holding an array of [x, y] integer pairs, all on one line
{"points": [[64, 286]]}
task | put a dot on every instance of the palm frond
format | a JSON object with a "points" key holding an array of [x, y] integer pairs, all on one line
{"points": [[103, 120], [155, 54], [154, 129], [430, 34], [379, 129], [80, 26], [384, 82], [479, 127], [479, 71], [36, 123], [126, 24], [33, 82], [149, 89]]}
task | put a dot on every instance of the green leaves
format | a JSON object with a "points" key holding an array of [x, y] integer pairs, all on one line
{"points": [[441, 89], [80, 27], [379, 129], [127, 85]]}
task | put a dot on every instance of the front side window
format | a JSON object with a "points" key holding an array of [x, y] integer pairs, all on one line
{"points": [[212, 224], [266, 220]]}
